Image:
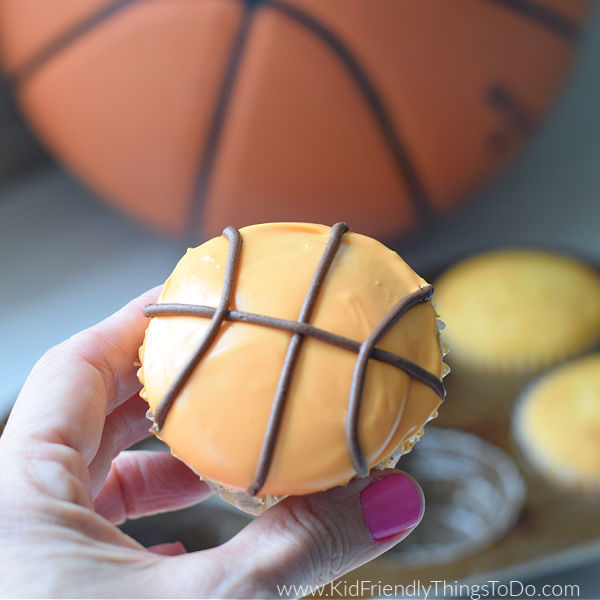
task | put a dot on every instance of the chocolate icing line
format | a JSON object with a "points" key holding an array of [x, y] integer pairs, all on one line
{"points": [[360, 368], [235, 241], [194, 310], [265, 457]]}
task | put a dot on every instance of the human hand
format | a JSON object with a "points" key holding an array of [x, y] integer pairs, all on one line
{"points": [[66, 483]]}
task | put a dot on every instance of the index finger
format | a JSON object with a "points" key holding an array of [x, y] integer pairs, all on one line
{"points": [[76, 384]]}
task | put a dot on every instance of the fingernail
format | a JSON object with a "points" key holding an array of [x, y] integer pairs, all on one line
{"points": [[391, 505], [169, 549]]}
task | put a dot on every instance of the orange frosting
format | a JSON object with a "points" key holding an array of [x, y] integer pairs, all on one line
{"points": [[218, 421]]}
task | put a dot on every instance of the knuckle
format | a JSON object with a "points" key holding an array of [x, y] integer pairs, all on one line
{"points": [[59, 473], [50, 358], [330, 532], [82, 345], [319, 542]]}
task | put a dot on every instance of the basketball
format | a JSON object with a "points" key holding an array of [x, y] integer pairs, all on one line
{"points": [[191, 115]]}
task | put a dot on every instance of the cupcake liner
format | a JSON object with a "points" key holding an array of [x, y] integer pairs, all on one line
{"points": [[254, 505], [524, 360], [539, 463]]}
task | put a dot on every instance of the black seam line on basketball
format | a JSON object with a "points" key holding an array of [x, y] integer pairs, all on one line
{"points": [[395, 360], [395, 144], [358, 377], [542, 15], [210, 334], [65, 39], [204, 173], [272, 431]]}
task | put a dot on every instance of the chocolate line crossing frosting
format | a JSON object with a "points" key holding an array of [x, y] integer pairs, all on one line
{"points": [[197, 310], [299, 329], [360, 370], [266, 454], [235, 243]]}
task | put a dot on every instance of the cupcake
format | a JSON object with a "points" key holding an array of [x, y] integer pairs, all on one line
{"points": [[289, 358], [557, 425], [511, 314]]}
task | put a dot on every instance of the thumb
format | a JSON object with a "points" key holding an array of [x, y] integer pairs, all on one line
{"points": [[313, 539]]}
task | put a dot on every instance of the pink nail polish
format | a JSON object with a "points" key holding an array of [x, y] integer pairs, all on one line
{"points": [[168, 549], [391, 505]]}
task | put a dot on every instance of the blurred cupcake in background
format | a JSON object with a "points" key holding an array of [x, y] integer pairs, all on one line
{"points": [[510, 314], [556, 425]]}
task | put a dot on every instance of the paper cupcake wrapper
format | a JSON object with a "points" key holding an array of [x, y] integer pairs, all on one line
{"points": [[541, 466]]}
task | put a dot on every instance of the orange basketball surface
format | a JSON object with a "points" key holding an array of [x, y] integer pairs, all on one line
{"points": [[194, 114]]}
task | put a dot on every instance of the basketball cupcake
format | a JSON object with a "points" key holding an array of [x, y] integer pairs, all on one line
{"points": [[510, 314], [557, 425], [288, 358]]}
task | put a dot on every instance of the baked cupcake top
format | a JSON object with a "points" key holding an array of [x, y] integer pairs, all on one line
{"points": [[218, 421], [511, 311], [557, 423]]}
